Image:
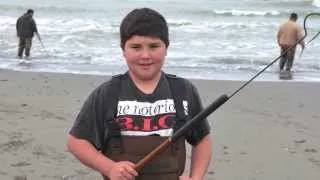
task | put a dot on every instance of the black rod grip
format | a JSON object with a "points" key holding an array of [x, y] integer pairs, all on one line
{"points": [[202, 115]]}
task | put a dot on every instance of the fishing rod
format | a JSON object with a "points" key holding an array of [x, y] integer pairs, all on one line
{"points": [[211, 108], [301, 52], [314, 37], [42, 45]]}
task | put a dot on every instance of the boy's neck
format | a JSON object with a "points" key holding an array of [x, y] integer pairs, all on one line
{"points": [[147, 86]]}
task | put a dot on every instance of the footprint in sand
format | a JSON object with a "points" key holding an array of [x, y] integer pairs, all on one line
{"points": [[310, 150], [314, 161], [20, 178], [20, 164], [13, 145]]}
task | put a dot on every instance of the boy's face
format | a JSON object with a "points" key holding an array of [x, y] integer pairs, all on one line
{"points": [[145, 56]]}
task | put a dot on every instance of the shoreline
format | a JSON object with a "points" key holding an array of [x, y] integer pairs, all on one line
{"points": [[231, 77]]}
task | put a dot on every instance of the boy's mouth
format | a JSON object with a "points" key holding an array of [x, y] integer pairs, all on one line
{"points": [[145, 64]]}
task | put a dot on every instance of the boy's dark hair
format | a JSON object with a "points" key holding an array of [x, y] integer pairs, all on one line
{"points": [[144, 22], [293, 16], [30, 11]]}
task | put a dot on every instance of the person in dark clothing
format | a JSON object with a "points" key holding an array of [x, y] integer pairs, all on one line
{"points": [[26, 27]]}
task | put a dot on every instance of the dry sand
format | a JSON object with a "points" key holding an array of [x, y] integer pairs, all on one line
{"points": [[270, 130]]}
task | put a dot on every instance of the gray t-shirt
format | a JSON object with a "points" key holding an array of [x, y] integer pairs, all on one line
{"points": [[138, 114]]}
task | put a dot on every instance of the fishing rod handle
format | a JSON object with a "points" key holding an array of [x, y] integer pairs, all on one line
{"points": [[199, 117], [154, 153], [180, 132]]}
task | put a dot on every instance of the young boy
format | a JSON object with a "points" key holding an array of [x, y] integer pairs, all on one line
{"points": [[128, 116]]}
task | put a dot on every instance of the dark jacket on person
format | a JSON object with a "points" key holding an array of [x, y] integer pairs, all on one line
{"points": [[26, 26]]}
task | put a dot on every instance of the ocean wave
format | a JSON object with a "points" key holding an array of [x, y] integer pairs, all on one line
{"points": [[178, 23], [52, 8], [238, 61], [235, 12], [243, 12], [213, 26], [261, 12]]}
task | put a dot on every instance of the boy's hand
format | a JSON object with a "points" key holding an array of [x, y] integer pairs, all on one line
{"points": [[123, 170]]}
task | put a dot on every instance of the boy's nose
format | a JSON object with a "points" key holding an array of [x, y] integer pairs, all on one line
{"points": [[145, 53]]}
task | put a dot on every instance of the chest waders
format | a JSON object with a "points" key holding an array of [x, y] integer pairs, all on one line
{"points": [[167, 166]]}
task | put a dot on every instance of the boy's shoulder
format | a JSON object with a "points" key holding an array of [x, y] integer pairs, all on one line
{"points": [[176, 77], [171, 75], [187, 83], [112, 82]]}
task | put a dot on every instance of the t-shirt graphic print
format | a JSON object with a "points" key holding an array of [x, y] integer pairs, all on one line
{"points": [[144, 118]]}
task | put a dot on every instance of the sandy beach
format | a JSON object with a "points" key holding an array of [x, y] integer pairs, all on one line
{"points": [[270, 130]]}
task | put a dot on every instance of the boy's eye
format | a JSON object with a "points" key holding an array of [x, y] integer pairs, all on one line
{"points": [[151, 46], [135, 46], [154, 45]]}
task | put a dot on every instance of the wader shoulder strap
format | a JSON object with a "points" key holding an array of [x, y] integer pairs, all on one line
{"points": [[112, 98], [112, 95], [179, 92]]}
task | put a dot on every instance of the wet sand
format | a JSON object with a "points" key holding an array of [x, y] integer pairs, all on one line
{"points": [[270, 130]]}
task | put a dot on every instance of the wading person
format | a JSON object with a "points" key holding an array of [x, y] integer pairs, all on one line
{"points": [[26, 27], [288, 34]]}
